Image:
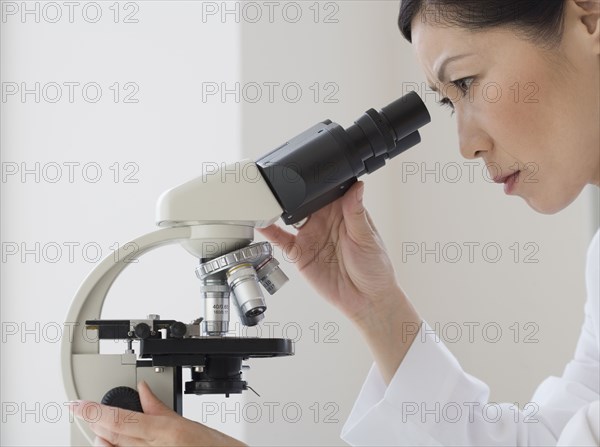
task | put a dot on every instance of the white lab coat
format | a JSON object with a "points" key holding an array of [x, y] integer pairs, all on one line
{"points": [[432, 401]]}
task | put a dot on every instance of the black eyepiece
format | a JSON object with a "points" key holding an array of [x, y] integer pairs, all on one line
{"points": [[319, 165], [406, 115]]}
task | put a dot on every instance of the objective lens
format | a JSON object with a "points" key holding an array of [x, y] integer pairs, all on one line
{"points": [[271, 276], [244, 286], [252, 321], [216, 306]]}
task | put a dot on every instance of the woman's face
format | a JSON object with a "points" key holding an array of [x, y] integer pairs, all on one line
{"points": [[523, 110]]}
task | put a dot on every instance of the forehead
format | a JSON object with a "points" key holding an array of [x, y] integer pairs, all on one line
{"points": [[434, 41]]}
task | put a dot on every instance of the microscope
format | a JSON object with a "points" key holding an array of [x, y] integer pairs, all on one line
{"points": [[291, 182]]}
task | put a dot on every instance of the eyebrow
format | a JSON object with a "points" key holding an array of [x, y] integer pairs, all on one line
{"points": [[441, 73]]}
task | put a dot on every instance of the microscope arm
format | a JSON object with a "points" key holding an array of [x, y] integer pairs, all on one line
{"points": [[88, 304]]}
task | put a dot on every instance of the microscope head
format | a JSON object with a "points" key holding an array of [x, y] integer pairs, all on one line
{"points": [[223, 206]]}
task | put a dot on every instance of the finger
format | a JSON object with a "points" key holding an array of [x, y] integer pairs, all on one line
{"points": [[278, 235], [107, 438], [115, 420], [372, 224], [150, 403], [355, 215]]}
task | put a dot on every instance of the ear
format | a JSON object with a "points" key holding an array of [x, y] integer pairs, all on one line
{"points": [[588, 13]]}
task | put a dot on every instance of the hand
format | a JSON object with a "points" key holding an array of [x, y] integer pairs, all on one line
{"points": [[158, 425], [340, 252]]}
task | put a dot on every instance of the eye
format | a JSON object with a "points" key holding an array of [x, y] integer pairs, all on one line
{"points": [[463, 85], [445, 102]]}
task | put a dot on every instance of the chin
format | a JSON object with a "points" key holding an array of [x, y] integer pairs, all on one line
{"points": [[551, 204]]}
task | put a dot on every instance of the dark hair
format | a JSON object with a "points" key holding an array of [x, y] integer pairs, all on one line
{"points": [[538, 21]]}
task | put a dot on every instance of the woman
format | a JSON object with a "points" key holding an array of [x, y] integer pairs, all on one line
{"points": [[461, 45]]}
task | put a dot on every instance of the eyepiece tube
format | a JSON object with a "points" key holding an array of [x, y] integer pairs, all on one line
{"points": [[319, 165]]}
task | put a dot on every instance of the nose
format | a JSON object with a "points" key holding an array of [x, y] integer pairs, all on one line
{"points": [[474, 142]]}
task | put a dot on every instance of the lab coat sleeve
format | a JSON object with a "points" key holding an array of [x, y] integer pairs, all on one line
{"points": [[584, 428], [432, 401]]}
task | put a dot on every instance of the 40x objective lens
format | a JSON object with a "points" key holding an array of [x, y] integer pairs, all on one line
{"points": [[216, 306]]}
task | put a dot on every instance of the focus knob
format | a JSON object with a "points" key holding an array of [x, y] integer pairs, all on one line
{"points": [[123, 397]]}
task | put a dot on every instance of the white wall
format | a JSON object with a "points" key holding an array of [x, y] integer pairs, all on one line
{"points": [[171, 131]]}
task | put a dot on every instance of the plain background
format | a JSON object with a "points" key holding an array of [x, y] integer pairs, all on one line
{"points": [[334, 61]]}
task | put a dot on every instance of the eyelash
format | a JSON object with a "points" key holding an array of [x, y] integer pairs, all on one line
{"points": [[445, 102]]}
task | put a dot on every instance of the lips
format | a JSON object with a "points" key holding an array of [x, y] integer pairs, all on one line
{"points": [[503, 179], [510, 182]]}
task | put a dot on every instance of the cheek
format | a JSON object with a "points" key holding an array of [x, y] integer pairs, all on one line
{"points": [[534, 133], [518, 119]]}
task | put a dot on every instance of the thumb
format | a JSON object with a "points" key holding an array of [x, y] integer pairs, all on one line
{"points": [[150, 403], [355, 214], [277, 235]]}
